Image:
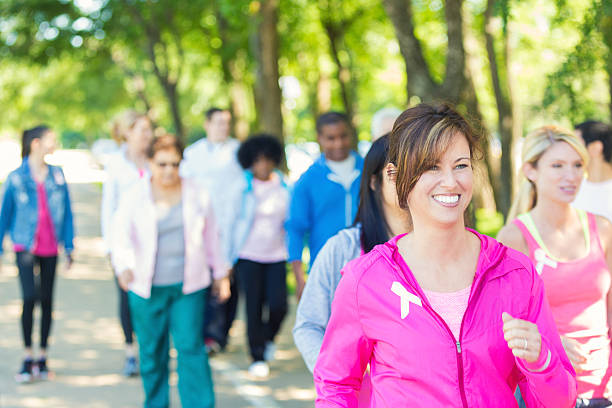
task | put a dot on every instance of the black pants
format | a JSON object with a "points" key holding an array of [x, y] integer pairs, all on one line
{"points": [[263, 285], [218, 317], [124, 314], [34, 290]]}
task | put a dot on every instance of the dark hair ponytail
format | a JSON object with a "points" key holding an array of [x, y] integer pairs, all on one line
{"points": [[28, 136], [374, 227]]}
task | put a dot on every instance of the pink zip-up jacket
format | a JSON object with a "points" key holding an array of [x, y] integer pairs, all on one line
{"points": [[134, 243], [381, 316]]}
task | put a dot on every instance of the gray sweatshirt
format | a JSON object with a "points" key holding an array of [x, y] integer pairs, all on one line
{"points": [[314, 309]]}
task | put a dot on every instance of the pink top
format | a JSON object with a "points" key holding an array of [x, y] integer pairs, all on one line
{"points": [[45, 243], [266, 240], [450, 306], [576, 291]]}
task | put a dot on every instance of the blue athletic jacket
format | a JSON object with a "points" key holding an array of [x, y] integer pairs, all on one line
{"points": [[19, 212], [320, 207]]}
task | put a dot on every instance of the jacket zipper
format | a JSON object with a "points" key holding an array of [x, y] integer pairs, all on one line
{"points": [[458, 350]]}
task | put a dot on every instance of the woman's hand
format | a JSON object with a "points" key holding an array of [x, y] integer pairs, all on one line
{"points": [[523, 338], [125, 278], [575, 352], [221, 289]]}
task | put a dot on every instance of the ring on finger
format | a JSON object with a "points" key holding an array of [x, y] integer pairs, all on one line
{"points": [[524, 343]]}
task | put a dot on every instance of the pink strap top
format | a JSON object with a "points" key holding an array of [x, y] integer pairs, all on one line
{"points": [[576, 291]]}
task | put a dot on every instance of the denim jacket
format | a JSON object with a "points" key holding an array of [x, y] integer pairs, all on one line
{"points": [[19, 212]]}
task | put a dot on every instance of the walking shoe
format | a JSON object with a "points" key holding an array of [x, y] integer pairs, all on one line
{"points": [[212, 346], [259, 369], [269, 351], [41, 370], [130, 369], [25, 374]]}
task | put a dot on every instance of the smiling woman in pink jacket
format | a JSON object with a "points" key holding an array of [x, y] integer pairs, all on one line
{"points": [[444, 316]]}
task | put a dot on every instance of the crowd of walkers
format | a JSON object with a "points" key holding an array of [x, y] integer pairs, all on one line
{"points": [[403, 304]]}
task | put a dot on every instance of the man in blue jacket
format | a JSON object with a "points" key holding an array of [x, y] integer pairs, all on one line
{"points": [[326, 196]]}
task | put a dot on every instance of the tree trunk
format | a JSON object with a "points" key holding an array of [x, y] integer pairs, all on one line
{"points": [[503, 185], [173, 102], [335, 36], [267, 90]]}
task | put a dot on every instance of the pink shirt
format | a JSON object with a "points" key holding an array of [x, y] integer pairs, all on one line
{"points": [[450, 306], [45, 243], [576, 291], [266, 240]]}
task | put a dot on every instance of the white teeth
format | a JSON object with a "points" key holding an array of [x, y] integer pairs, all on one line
{"points": [[447, 199]]}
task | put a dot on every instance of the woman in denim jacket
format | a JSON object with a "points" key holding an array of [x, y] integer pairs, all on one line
{"points": [[36, 211]]}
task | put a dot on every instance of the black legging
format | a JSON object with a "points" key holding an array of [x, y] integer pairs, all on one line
{"points": [[124, 315], [264, 285], [33, 291]]}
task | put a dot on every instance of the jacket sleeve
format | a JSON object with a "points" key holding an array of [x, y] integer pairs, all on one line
{"points": [[298, 223], [314, 309], [7, 212], [68, 225], [345, 352], [109, 205], [212, 238], [123, 256], [551, 381]]}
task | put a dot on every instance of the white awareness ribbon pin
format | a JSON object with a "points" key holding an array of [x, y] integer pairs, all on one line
{"points": [[542, 259], [405, 297]]}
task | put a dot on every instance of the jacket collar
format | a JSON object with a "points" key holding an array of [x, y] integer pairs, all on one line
{"points": [[322, 162], [488, 266]]}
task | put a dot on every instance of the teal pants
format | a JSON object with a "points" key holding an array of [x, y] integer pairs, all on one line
{"points": [[169, 312]]}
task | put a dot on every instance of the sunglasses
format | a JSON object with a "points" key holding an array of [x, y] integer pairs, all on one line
{"points": [[174, 165]]}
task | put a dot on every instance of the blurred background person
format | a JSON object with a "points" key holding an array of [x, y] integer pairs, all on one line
{"points": [[134, 131], [379, 218], [260, 247], [165, 249], [570, 249], [213, 163], [36, 211], [595, 194], [382, 122], [326, 196]]}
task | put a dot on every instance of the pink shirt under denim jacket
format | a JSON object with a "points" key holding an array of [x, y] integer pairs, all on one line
{"points": [[135, 238], [381, 317]]}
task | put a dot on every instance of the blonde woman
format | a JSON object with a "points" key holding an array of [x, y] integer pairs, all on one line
{"points": [[571, 250], [134, 131]]}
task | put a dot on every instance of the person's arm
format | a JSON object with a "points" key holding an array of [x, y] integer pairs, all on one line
{"points": [[550, 380], [216, 259], [123, 256], [297, 225], [110, 199], [346, 350], [7, 211], [605, 236], [314, 308], [68, 226]]}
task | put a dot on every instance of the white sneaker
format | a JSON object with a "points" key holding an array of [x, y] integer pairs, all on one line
{"points": [[269, 351], [259, 369]]}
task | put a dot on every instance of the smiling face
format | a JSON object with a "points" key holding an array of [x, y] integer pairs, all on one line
{"points": [[557, 174], [335, 141], [444, 191]]}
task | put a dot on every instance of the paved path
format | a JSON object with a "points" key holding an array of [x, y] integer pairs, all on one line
{"points": [[86, 344]]}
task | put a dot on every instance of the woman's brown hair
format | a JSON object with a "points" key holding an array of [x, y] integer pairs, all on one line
{"points": [[419, 138], [165, 142]]}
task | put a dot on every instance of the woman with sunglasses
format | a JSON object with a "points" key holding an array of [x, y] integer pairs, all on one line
{"points": [[165, 242]]}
